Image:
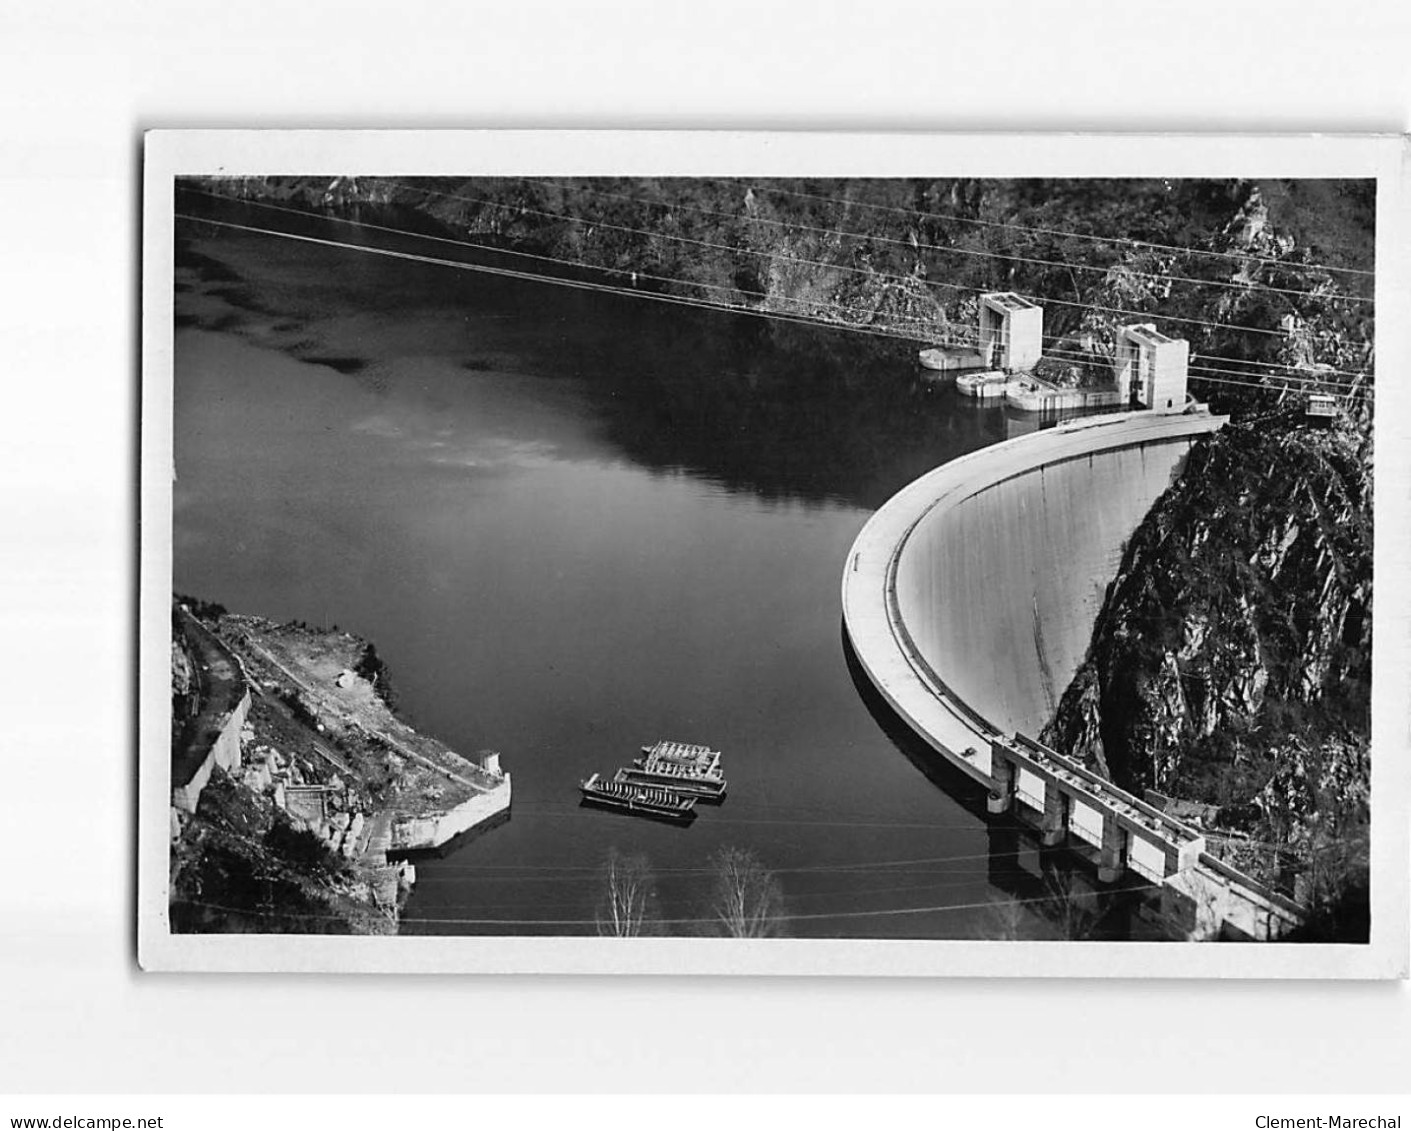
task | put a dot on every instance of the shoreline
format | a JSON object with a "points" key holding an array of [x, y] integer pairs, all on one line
{"points": [[319, 788]]}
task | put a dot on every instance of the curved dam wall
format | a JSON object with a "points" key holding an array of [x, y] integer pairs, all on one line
{"points": [[970, 596], [970, 599], [1000, 589]]}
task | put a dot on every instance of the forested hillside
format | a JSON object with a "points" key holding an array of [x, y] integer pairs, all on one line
{"points": [[908, 257]]}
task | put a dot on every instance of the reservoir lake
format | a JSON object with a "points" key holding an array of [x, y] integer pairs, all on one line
{"points": [[574, 523]]}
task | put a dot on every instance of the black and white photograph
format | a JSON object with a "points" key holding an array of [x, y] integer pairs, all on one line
{"points": [[711, 559], [583, 564]]}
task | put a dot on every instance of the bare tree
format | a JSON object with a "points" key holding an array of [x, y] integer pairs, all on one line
{"points": [[1073, 908], [1002, 920], [746, 899], [1062, 906], [627, 907]]}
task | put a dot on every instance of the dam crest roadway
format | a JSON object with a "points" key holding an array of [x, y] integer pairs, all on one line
{"points": [[970, 598]]}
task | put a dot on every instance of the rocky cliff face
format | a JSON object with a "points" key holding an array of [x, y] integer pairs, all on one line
{"points": [[1246, 593], [1231, 662]]}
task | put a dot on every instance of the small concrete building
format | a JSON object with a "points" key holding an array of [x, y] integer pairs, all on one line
{"points": [[1011, 331], [1151, 368]]}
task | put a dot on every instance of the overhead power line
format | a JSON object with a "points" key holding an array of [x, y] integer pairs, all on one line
{"points": [[1239, 256], [579, 284], [918, 245], [922, 331], [853, 867], [936, 886], [871, 273], [926, 326], [608, 288], [930, 329], [673, 922]]}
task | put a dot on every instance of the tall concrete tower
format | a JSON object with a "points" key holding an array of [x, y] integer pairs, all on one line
{"points": [[1151, 368], [1011, 331]]}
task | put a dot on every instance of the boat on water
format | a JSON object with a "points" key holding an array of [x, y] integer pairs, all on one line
{"points": [[652, 801], [681, 754], [990, 383], [704, 786]]}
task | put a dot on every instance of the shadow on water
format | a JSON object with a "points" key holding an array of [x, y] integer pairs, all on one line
{"points": [[936, 768], [1056, 884], [780, 410], [456, 843], [753, 404]]}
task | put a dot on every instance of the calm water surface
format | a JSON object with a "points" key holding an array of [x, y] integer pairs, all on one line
{"points": [[574, 523]]}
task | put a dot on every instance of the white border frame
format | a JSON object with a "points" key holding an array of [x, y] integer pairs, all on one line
{"points": [[642, 153]]}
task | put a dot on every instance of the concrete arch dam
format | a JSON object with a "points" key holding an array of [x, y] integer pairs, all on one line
{"points": [[970, 599]]}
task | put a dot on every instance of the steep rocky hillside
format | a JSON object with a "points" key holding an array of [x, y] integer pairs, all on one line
{"points": [[906, 257], [286, 840], [1231, 663]]}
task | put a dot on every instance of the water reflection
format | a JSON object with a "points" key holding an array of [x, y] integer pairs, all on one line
{"points": [[575, 523], [1038, 892], [782, 410]]}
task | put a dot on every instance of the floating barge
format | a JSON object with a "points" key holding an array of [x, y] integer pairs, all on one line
{"points": [[677, 778], [651, 801], [699, 758]]}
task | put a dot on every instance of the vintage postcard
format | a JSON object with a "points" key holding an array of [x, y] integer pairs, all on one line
{"points": [[774, 553]]}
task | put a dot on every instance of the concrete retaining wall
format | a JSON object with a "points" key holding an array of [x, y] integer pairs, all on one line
{"points": [[1214, 900], [225, 752], [432, 831]]}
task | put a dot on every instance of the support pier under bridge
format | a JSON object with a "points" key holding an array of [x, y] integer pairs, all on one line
{"points": [[970, 599]]}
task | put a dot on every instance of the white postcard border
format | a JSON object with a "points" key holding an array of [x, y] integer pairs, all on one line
{"points": [[628, 153]]}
